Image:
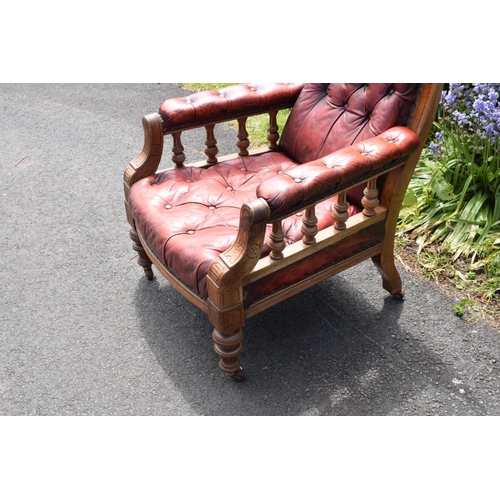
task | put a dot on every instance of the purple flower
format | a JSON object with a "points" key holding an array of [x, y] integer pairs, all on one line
{"points": [[473, 108], [461, 118], [490, 130], [436, 147]]}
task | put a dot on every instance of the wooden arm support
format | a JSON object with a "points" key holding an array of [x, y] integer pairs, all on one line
{"points": [[226, 274], [147, 162]]}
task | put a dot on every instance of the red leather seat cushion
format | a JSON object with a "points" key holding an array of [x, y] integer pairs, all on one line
{"points": [[189, 216]]}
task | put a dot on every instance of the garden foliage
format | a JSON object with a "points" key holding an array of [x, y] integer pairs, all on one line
{"points": [[453, 200]]}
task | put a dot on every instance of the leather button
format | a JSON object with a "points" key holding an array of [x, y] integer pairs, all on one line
{"points": [[211, 207], [167, 206], [298, 180], [190, 231]]}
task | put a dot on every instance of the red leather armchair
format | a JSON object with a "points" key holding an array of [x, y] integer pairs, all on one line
{"points": [[238, 234]]}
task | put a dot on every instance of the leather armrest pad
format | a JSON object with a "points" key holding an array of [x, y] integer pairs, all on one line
{"points": [[225, 104], [318, 179]]}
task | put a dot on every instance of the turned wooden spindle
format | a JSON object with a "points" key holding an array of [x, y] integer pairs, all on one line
{"points": [[178, 149], [211, 149], [340, 211], [272, 130], [370, 199], [242, 136], [309, 226], [277, 241]]}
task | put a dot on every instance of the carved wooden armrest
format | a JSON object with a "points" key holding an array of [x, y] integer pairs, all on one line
{"points": [[227, 272], [311, 182], [148, 160], [226, 104]]}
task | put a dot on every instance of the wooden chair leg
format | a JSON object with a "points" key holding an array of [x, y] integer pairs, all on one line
{"points": [[143, 259], [228, 347], [391, 280]]}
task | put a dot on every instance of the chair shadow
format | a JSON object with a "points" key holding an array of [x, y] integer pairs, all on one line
{"points": [[335, 349]]}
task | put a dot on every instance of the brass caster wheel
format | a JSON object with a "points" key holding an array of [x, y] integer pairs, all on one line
{"points": [[399, 295], [238, 375]]}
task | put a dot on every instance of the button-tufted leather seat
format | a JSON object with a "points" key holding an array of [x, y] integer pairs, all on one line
{"points": [[190, 216], [194, 222]]}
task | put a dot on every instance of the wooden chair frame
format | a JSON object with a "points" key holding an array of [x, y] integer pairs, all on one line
{"points": [[241, 263]]}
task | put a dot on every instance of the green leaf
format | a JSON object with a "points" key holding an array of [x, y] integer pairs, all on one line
{"points": [[443, 189], [410, 198]]}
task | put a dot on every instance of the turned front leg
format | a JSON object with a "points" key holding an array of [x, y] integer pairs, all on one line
{"points": [[226, 309], [227, 323], [228, 347], [143, 259]]}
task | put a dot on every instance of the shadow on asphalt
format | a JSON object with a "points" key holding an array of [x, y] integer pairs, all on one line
{"points": [[327, 351]]}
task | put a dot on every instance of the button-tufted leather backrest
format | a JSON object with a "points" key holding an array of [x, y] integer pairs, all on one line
{"points": [[330, 116]]}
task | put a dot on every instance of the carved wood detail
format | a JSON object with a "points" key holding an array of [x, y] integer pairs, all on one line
{"points": [[272, 131], [325, 238], [340, 211], [370, 199], [211, 149], [225, 275], [277, 241], [226, 310], [178, 149], [143, 259], [309, 226], [228, 347], [243, 143], [148, 160]]}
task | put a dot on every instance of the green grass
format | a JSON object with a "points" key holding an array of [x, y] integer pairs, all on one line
{"points": [[257, 127], [455, 277], [198, 87]]}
